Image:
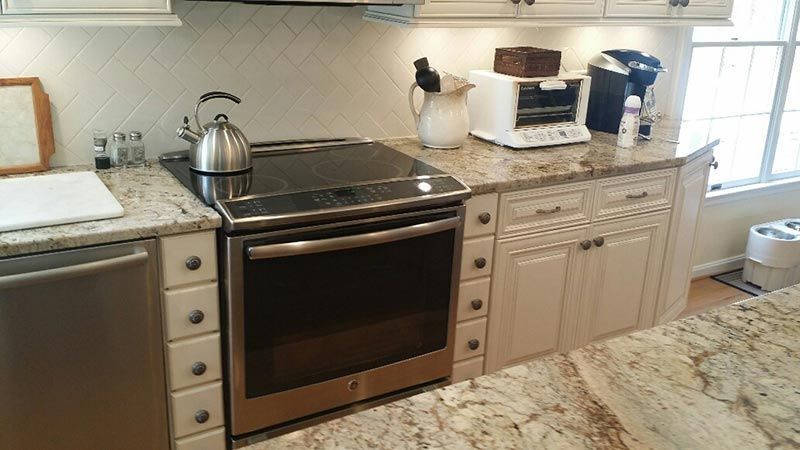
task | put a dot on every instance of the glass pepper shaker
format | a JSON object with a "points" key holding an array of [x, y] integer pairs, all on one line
{"points": [[119, 150], [101, 159], [136, 156]]}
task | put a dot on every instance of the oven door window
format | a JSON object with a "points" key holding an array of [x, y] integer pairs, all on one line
{"points": [[314, 317], [538, 107]]}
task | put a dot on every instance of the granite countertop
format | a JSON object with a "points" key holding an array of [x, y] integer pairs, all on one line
{"points": [[729, 378], [155, 204], [486, 167]]}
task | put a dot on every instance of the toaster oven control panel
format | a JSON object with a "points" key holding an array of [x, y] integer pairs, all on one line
{"points": [[544, 136]]}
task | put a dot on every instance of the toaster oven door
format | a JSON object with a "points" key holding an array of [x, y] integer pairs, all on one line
{"points": [[540, 103]]}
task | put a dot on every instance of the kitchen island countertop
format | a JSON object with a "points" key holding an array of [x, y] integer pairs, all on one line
{"points": [[486, 167], [155, 204], [729, 378]]}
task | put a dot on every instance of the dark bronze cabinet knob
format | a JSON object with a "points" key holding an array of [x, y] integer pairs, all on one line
{"points": [[674, 2], [193, 262], [201, 416], [477, 304], [480, 263], [485, 218], [199, 368], [516, 2], [473, 344], [530, 2], [684, 3], [196, 316], [599, 241], [586, 245]]}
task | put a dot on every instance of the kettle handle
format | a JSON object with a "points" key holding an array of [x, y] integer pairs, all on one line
{"points": [[210, 96], [414, 111]]}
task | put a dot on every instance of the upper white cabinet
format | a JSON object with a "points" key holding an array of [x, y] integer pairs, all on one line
{"points": [[87, 12], [472, 13], [562, 8]]}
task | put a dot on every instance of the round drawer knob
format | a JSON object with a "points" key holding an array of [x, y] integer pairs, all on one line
{"points": [[599, 241], [201, 416], [586, 245], [485, 218], [473, 344], [480, 263], [199, 368], [352, 385], [193, 262], [196, 316], [477, 304]]}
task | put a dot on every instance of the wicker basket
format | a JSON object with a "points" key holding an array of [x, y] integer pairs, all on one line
{"points": [[527, 62]]}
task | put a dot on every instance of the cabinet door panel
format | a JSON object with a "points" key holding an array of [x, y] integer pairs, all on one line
{"points": [[467, 8], [537, 286], [706, 8], [689, 200], [638, 8], [621, 288], [84, 6], [563, 8]]}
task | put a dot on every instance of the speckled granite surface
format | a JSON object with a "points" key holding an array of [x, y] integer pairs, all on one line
{"points": [[726, 379], [155, 204], [485, 167]]}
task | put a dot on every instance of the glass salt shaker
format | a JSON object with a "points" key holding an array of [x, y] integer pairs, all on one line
{"points": [[136, 155], [119, 150]]}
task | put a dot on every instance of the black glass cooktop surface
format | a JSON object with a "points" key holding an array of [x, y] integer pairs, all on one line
{"points": [[300, 170]]}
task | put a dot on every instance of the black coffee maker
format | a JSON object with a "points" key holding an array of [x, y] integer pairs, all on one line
{"points": [[616, 75]]}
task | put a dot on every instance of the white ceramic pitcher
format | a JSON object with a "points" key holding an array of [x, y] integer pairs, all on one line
{"points": [[443, 120]]}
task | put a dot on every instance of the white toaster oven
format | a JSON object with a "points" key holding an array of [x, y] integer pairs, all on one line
{"points": [[529, 112]]}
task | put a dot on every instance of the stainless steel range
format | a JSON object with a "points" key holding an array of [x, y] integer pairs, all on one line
{"points": [[340, 265]]}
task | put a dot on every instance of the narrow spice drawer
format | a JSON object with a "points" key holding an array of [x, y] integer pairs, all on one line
{"points": [[481, 215], [209, 440], [634, 194], [473, 299], [191, 311], [189, 258], [545, 208], [470, 339], [197, 409], [476, 257], [194, 361], [467, 369]]}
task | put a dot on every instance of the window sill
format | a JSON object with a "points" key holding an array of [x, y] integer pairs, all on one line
{"points": [[752, 191]]}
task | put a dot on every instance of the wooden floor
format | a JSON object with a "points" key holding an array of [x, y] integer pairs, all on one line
{"points": [[706, 294]]}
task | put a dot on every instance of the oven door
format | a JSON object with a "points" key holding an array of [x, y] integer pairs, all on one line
{"points": [[329, 316], [548, 103]]}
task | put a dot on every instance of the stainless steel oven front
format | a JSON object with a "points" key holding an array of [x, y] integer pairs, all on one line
{"points": [[327, 316]]}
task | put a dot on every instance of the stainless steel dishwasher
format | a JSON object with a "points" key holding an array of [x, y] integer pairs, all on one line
{"points": [[81, 350]]}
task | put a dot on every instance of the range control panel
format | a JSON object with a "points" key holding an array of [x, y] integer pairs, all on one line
{"points": [[351, 196]]}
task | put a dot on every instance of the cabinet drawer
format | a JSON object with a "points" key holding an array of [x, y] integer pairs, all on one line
{"points": [[184, 307], [467, 369], [181, 254], [476, 258], [473, 299], [209, 440], [481, 215], [545, 208], [470, 339], [191, 406], [634, 194], [194, 361]]}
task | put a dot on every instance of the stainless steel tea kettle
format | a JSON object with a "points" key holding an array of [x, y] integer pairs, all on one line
{"points": [[219, 146]]}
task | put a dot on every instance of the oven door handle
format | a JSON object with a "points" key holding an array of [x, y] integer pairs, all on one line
{"points": [[354, 241]]}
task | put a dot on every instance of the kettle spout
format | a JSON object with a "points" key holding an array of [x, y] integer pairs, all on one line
{"points": [[186, 133]]}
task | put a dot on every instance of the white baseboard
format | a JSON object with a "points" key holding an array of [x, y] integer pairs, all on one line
{"points": [[718, 267]]}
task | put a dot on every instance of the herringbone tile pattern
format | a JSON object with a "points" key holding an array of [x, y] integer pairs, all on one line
{"points": [[302, 71]]}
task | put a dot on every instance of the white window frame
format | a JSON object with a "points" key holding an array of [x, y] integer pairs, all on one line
{"points": [[789, 49]]}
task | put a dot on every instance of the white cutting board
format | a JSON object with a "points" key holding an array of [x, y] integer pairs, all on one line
{"points": [[39, 201]]}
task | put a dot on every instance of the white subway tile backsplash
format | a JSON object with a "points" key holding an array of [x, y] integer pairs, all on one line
{"points": [[301, 71]]}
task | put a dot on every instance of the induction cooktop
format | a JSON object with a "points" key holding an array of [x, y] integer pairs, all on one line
{"points": [[302, 181]]}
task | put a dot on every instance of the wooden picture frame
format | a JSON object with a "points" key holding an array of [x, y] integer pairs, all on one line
{"points": [[42, 122]]}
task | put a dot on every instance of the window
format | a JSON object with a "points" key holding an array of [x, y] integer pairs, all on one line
{"points": [[744, 88]]}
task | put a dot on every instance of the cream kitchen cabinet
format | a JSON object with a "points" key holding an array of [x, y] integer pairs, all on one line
{"points": [[689, 200], [561, 8], [87, 12], [689, 9], [467, 8], [620, 284], [581, 262]]}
